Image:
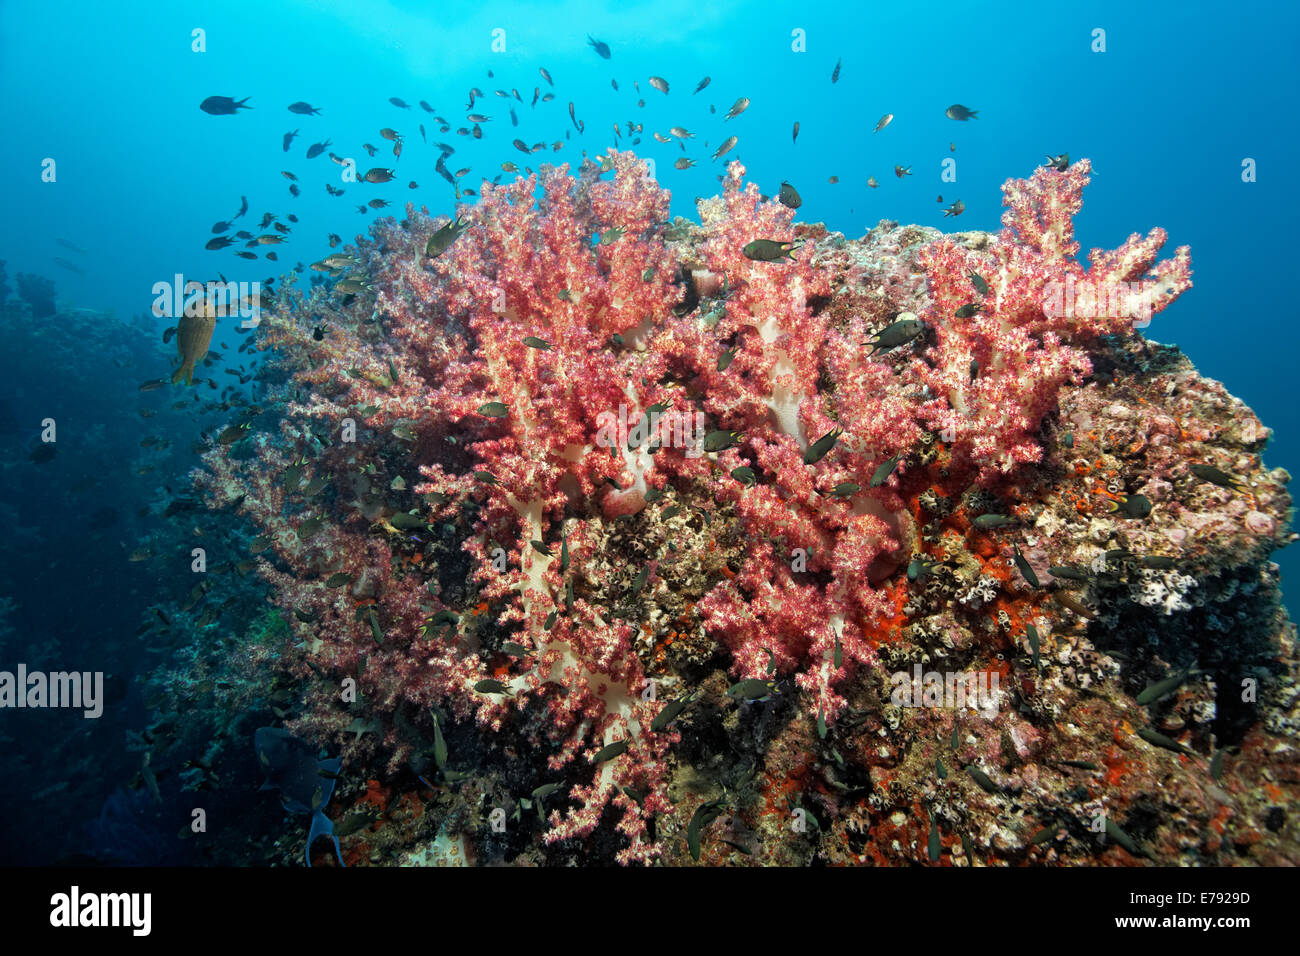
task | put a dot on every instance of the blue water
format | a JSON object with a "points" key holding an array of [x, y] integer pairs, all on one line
{"points": [[1182, 95]]}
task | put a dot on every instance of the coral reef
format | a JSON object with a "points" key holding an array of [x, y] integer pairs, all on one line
{"points": [[616, 524], [38, 292]]}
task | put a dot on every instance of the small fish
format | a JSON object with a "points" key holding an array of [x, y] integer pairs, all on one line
{"points": [[684, 163], [744, 475], [899, 332], [1031, 633], [490, 686], [223, 105], [935, 845], [1026, 571], [602, 50], [978, 282], [1067, 601], [884, 121], [1216, 477], [610, 751], [1131, 506], [379, 175], [443, 619], [442, 240], [845, 489], [884, 470], [233, 433], [726, 359], [533, 342], [494, 410], [901, 171], [315, 149], [659, 83], [1157, 739], [1123, 839], [987, 521], [751, 688], [1059, 163], [305, 109], [982, 779], [794, 137], [770, 250], [956, 209], [835, 73], [1043, 835], [737, 108], [720, 440], [701, 85], [871, 181], [288, 138], [1081, 765], [727, 145], [959, 112], [1068, 572], [404, 521], [789, 196], [399, 103], [822, 446], [643, 575], [1161, 688], [546, 75], [705, 814]]}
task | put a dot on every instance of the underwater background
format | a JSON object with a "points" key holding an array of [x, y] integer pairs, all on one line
{"points": [[114, 179]]}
